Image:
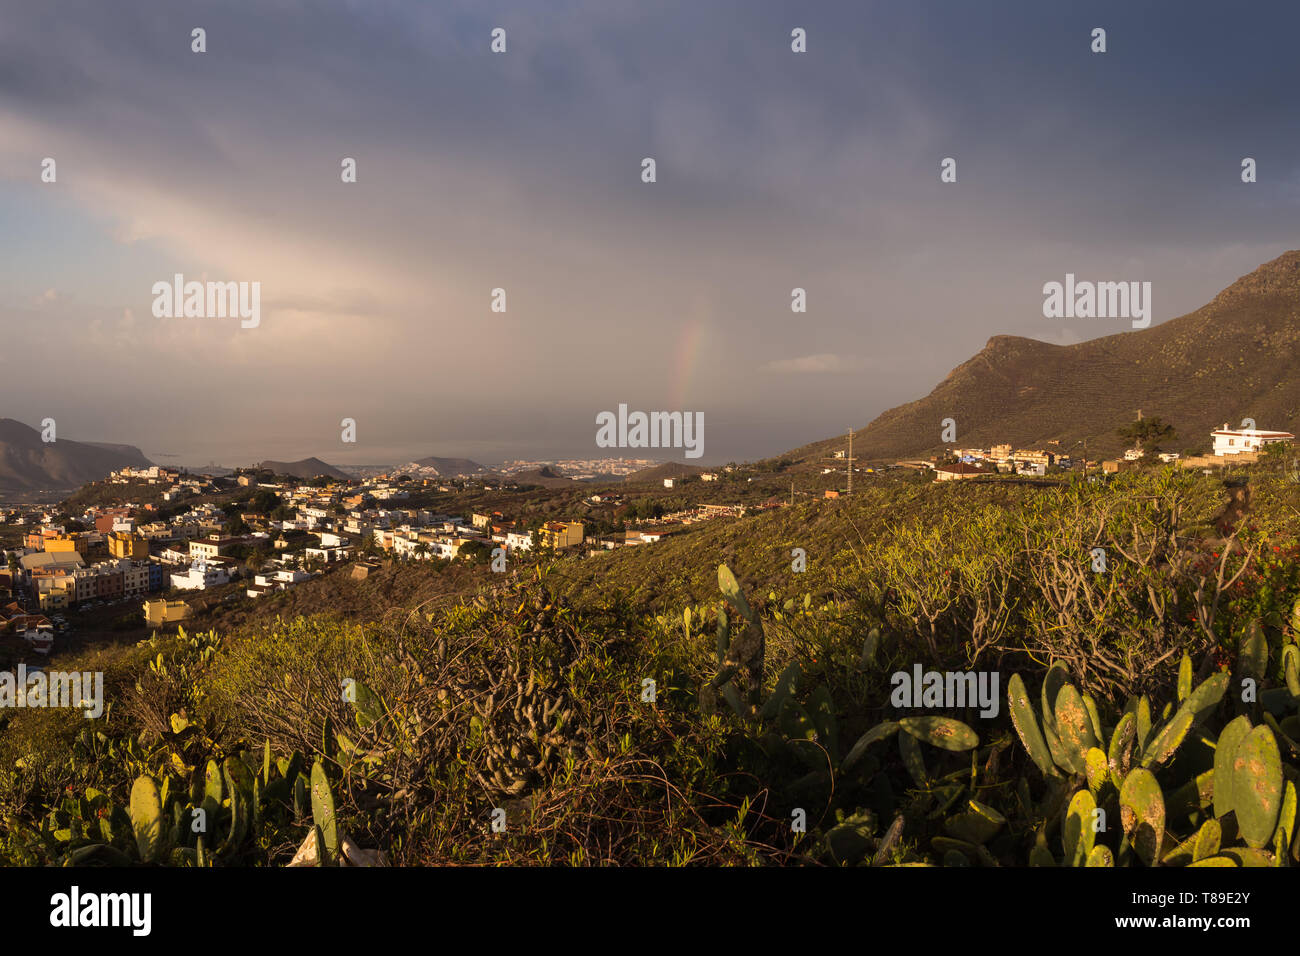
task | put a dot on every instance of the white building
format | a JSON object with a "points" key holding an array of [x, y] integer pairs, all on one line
{"points": [[359, 527], [515, 541], [451, 546], [406, 544], [313, 517], [1235, 441], [279, 580], [326, 555], [200, 577]]}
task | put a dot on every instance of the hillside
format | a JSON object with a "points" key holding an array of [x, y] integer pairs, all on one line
{"points": [[450, 467], [610, 780], [1231, 359], [545, 477], [29, 464], [671, 469], [305, 468]]}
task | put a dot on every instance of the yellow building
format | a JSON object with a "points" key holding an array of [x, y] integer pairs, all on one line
{"points": [[162, 611], [209, 548], [124, 544], [66, 543], [560, 534], [1034, 456], [55, 600]]}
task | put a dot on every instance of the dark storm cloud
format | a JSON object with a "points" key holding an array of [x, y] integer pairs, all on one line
{"points": [[522, 171]]}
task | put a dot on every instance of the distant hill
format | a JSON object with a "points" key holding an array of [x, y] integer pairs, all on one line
{"points": [[29, 464], [434, 467], [1236, 357], [216, 471], [306, 469], [671, 469], [545, 476]]}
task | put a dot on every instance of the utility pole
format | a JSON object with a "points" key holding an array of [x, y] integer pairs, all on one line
{"points": [[851, 460], [1084, 443]]}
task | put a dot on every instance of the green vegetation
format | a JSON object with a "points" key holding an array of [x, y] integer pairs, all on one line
{"points": [[1148, 433], [701, 703]]}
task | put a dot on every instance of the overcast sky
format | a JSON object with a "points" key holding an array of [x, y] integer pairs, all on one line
{"points": [[522, 171]]}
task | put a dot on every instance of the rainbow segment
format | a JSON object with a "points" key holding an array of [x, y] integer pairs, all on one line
{"points": [[690, 345]]}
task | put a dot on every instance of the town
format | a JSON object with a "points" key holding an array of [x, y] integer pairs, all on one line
{"points": [[285, 532]]}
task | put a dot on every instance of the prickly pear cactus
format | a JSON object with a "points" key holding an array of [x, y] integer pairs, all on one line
{"points": [[1074, 728], [1078, 835], [1257, 786], [1142, 812], [942, 732], [147, 819], [1026, 724], [324, 814], [1224, 779]]}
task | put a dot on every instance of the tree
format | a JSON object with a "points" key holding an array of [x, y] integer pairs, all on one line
{"points": [[476, 551], [1146, 434], [1277, 456]]}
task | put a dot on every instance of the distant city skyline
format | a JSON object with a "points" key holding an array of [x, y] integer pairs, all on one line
{"points": [[522, 171]]}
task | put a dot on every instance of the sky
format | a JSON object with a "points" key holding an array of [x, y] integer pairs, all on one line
{"points": [[522, 171]]}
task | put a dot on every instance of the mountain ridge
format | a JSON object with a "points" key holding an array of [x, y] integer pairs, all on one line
{"points": [[1231, 359], [29, 464]]}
